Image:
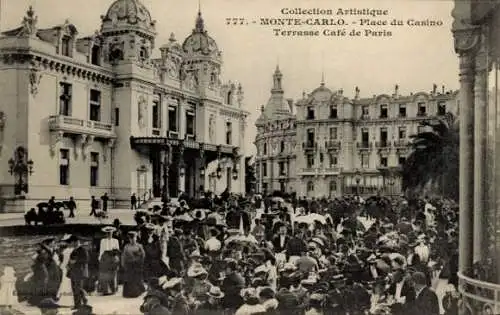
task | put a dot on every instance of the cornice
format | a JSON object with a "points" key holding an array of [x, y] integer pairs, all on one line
{"points": [[42, 61]]}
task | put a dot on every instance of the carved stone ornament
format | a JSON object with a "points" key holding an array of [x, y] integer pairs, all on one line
{"points": [[55, 138], [28, 28], [107, 149], [142, 112], [35, 77], [86, 145], [466, 39], [79, 144]]}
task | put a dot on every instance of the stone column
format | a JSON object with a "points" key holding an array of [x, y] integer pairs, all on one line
{"points": [[480, 125], [466, 40]]}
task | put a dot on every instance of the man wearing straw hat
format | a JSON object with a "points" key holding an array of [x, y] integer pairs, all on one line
{"points": [[109, 253]]}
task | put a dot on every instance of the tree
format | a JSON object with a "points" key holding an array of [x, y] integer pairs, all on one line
{"points": [[434, 160], [250, 176]]}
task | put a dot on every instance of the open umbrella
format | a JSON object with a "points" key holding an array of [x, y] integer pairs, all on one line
{"points": [[184, 217], [42, 205]]}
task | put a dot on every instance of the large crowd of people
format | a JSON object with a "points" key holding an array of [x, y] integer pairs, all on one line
{"points": [[254, 255]]}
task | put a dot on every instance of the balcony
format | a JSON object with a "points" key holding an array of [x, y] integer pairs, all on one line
{"points": [[73, 125], [480, 297], [332, 144], [309, 145], [383, 144], [401, 143], [364, 145], [308, 171], [332, 170]]}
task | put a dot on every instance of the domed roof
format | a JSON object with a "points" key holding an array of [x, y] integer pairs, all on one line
{"points": [[321, 94], [199, 42], [128, 13]]}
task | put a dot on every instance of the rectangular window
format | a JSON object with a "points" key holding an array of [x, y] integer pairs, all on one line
{"points": [[402, 110], [402, 133], [310, 161], [333, 112], [94, 169], [156, 114], [96, 55], [384, 112], [282, 186], [333, 160], [117, 116], [66, 46], [365, 161], [310, 112], [264, 150], [310, 138], [333, 133], [264, 169], [95, 105], [383, 136], [172, 118], [402, 160], [229, 133], [441, 108], [365, 137], [383, 162], [64, 167], [282, 146], [281, 166], [422, 109], [65, 99], [189, 123], [365, 111]]}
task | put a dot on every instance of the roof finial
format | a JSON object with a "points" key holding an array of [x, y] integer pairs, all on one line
{"points": [[200, 24]]}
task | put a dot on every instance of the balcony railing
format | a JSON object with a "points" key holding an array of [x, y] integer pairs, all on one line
{"points": [[309, 145], [480, 297], [332, 144], [383, 144], [75, 125], [401, 143], [363, 145], [332, 169]]}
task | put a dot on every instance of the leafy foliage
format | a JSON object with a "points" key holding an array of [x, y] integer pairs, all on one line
{"points": [[250, 175], [435, 158]]}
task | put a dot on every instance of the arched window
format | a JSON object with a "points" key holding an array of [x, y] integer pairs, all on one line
{"points": [[115, 55], [96, 55], [310, 186], [143, 53], [229, 97]]}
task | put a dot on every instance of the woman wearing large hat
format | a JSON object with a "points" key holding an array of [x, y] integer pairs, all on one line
{"points": [[133, 267], [213, 303], [109, 261]]}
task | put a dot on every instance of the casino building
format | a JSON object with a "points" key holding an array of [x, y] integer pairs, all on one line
{"points": [[326, 144], [83, 116]]}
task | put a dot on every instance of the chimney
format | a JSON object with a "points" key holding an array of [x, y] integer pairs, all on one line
{"points": [[434, 89], [356, 90]]}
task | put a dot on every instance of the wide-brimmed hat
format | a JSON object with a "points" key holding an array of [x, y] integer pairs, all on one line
{"points": [[195, 254], [215, 292], [196, 271], [261, 269], [66, 238], [132, 233], [108, 229], [149, 226], [318, 241], [172, 283]]}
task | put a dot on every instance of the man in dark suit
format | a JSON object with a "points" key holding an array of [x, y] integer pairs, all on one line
{"points": [[426, 300], [280, 241], [78, 271]]}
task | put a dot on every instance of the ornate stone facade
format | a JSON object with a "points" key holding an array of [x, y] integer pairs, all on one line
{"points": [[326, 144], [99, 114]]}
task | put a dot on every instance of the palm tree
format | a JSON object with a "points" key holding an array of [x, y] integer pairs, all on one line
{"points": [[434, 160]]}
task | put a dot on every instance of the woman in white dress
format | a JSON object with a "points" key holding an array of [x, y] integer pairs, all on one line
{"points": [[65, 293]]}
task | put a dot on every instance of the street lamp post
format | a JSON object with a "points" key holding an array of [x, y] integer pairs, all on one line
{"points": [[166, 165], [357, 177], [20, 167]]}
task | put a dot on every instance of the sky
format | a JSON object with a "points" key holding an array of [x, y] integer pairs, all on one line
{"points": [[413, 57]]}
